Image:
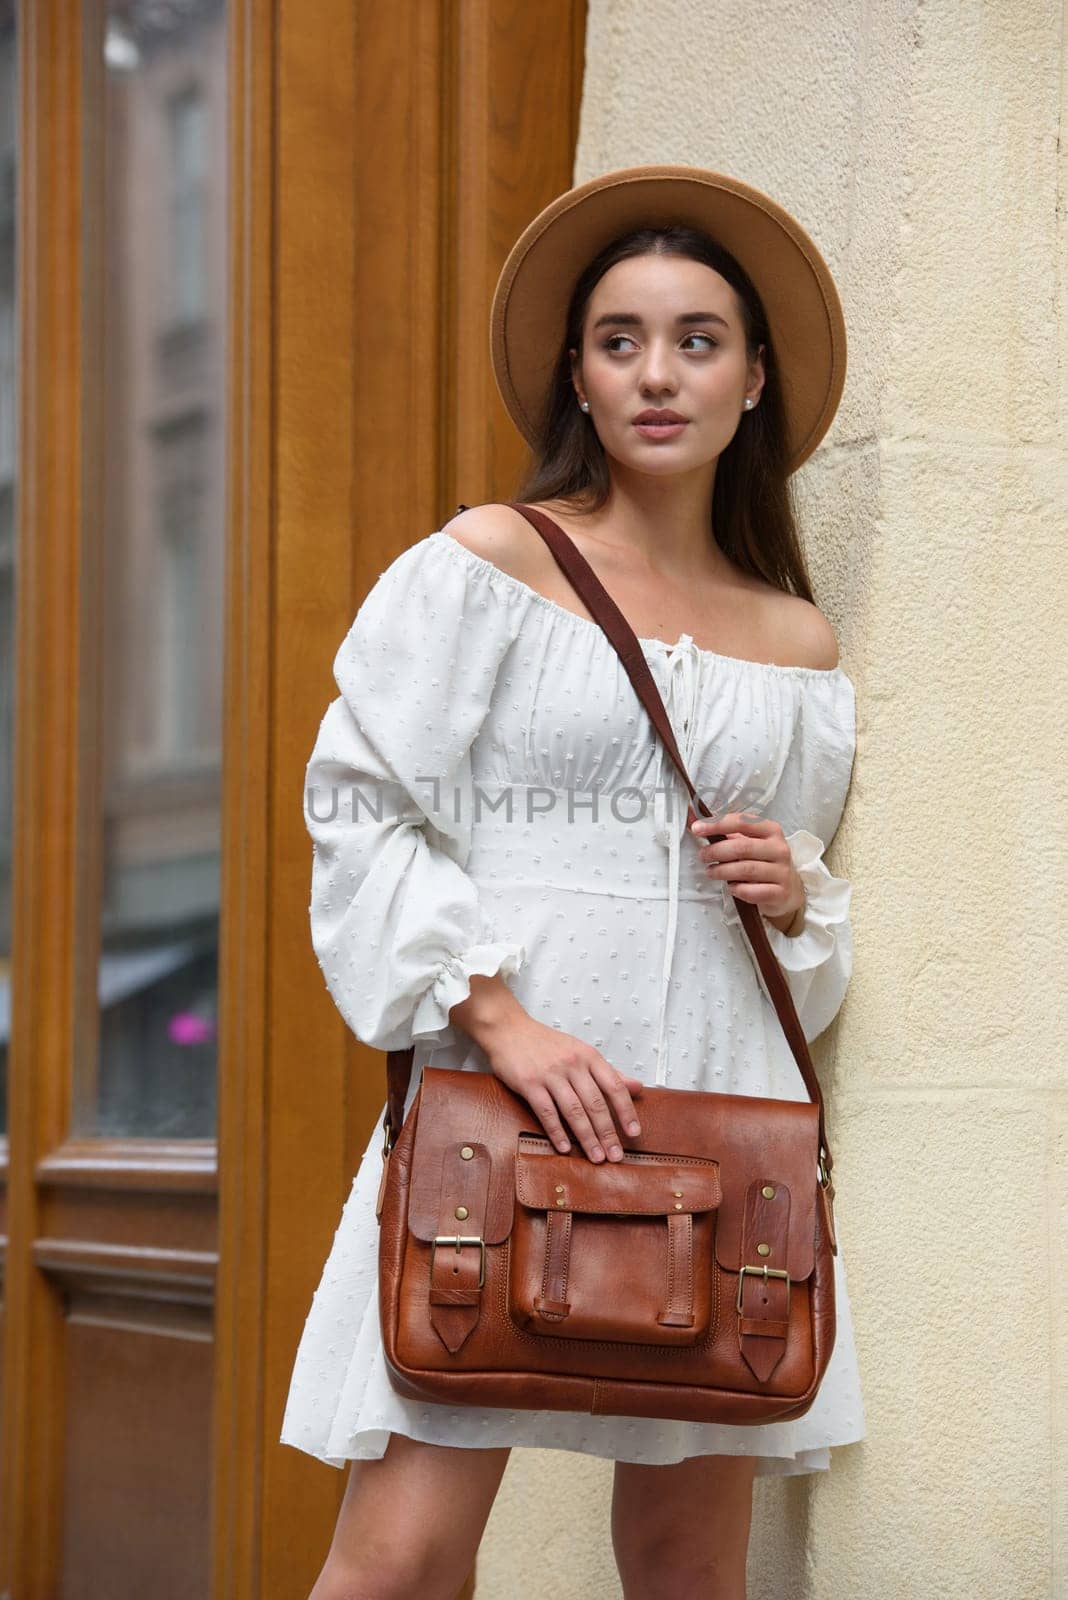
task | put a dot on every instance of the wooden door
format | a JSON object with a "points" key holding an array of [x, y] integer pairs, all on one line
{"points": [[255, 258]]}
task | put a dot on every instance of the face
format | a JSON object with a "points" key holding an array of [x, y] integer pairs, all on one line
{"points": [[663, 335]]}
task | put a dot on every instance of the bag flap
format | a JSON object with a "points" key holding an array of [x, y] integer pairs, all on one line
{"points": [[457, 1108], [773, 1142], [644, 1183]]}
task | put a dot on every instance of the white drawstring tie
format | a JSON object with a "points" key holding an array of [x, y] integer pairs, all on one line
{"points": [[683, 662]]}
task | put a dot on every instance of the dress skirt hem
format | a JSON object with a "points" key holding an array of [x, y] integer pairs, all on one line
{"points": [[370, 1444]]}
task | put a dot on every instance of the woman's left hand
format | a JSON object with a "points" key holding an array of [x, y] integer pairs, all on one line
{"points": [[756, 862]]}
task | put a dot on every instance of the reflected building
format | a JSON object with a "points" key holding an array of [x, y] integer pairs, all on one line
{"points": [[161, 242]]}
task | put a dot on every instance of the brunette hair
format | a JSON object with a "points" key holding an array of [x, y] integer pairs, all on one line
{"points": [[753, 519]]}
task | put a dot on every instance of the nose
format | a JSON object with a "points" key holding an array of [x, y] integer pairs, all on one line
{"points": [[657, 376]]}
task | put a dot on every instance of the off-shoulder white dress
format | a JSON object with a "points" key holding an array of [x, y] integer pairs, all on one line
{"points": [[487, 795]]}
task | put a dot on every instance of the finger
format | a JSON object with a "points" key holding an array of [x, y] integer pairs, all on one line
{"points": [[544, 1108], [615, 1088], [767, 847], [577, 1118], [751, 869], [736, 822], [599, 1112], [597, 1109], [758, 894]]}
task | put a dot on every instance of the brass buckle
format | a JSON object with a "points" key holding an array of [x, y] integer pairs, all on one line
{"points": [[459, 1239], [767, 1272]]}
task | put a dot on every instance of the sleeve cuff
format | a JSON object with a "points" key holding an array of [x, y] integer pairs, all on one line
{"points": [[453, 984], [826, 909]]}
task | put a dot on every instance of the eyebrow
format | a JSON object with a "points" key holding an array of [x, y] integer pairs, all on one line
{"points": [[629, 319]]}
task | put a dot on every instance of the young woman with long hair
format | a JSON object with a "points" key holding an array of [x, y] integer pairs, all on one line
{"points": [[670, 343]]}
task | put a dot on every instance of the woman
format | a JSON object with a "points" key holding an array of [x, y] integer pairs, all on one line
{"points": [[670, 343]]}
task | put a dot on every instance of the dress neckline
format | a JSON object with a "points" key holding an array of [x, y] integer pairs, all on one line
{"points": [[586, 623]]}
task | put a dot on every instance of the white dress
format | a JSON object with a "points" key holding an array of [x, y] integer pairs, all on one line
{"points": [[465, 694]]}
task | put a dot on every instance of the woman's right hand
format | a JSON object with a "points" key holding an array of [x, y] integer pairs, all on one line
{"points": [[564, 1079]]}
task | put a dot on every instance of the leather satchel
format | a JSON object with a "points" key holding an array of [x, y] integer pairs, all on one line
{"points": [[693, 1279]]}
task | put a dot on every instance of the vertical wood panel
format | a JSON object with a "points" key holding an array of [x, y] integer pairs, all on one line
{"points": [[317, 358], [516, 82], [382, 163], [46, 724], [138, 1509], [238, 1433]]}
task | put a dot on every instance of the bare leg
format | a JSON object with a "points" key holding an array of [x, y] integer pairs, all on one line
{"points": [[681, 1532], [410, 1523]]}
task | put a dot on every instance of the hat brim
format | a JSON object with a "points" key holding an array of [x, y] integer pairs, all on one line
{"points": [[527, 319]]}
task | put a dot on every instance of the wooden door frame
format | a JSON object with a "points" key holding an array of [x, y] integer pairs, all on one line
{"points": [[382, 164], [43, 877]]}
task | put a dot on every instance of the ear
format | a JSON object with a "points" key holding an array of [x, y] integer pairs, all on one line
{"points": [[756, 370], [576, 372]]}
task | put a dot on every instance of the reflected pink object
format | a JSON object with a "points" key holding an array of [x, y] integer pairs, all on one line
{"points": [[185, 1027]]}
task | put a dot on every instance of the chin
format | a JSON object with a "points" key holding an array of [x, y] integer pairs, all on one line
{"points": [[659, 460]]}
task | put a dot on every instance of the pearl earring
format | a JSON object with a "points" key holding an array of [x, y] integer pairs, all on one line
{"points": [[584, 405], [748, 403]]}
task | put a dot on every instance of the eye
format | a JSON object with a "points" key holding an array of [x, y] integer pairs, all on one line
{"points": [[713, 342], [609, 343]]}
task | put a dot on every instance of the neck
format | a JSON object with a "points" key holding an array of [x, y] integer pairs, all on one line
{"points": [[667, 522]]}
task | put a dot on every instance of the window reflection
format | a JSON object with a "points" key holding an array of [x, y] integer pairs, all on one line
{"points": [[161, 434], [8, 465]]}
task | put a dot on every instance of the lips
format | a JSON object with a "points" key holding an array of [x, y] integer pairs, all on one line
{"points": [[655, 419]]}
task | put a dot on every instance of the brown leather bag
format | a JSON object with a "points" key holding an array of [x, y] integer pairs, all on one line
{"points": [[694, 1279]]}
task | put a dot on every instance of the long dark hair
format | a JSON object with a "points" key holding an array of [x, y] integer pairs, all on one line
{"points": [[753, 519]]}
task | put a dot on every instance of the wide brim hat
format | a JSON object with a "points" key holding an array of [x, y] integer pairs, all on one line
{"points": [[804, 312]]}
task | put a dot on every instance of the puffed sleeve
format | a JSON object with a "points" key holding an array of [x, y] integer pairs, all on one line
{"points": [[396, 923], [808, 804]]}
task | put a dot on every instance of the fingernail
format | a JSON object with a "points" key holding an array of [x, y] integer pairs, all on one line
{"points": [[615, 1152], [633, 1127], [597, 1153]]}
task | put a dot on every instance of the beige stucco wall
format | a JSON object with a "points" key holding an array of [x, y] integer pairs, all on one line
{"points": [[919, 144]]}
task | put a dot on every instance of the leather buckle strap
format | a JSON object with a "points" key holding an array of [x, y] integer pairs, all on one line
{"points": [[455, 1284], [765, 1273], [764, 1327], [460, 1239]]}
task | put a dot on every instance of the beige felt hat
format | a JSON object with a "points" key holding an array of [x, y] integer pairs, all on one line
{"points": [[794, 282]]}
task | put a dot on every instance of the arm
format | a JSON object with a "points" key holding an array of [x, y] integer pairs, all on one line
{"points": [[396, 922], [815, 951]]}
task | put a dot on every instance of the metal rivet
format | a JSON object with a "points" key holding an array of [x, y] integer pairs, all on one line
{"points": [[768, 1192], [559, 1188], [763, 1249], [461, 1212], [466, 1153], [677, 1193], [678, 1205], [561, 1202]]}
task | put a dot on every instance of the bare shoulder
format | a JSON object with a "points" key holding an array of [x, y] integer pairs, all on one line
{"points": [[501, 536], [806, 633]]}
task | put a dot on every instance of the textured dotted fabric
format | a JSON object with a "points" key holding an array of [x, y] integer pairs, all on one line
{"points": [[487, 795]]}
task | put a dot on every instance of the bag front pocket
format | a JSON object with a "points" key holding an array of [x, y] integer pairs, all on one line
{"points": [[613, 1250]]}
